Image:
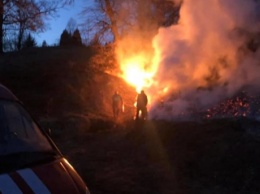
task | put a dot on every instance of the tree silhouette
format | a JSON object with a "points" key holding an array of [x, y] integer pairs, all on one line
{"points": [[65, 38], [76, 37], [29, 42], [117, 19], [44, 43], [26, 15]]}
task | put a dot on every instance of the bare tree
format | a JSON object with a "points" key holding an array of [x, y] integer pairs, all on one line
{"points": [[25, 17], [22, 15], [113, 19], [10, 41], [129, 25], [103, 19]]}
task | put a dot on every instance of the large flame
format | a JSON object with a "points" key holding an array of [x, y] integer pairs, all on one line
{"points": [[137, 72], [141, 71], [202, 59]]}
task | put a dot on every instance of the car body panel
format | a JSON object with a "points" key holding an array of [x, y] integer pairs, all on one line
{"points": [[54, 177], [30, 162], [5, 93]]}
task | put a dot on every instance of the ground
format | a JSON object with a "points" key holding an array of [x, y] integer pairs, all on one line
{"points": [[218, 156], [66, 94]]}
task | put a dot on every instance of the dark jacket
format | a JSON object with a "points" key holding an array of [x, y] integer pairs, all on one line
{"points": [[142, 100]]}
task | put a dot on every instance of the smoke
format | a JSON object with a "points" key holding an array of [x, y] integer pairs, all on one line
{"points": [[209, 56]]}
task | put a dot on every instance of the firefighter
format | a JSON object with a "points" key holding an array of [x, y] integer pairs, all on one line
{"points": [[141, 105], [117, 104]]}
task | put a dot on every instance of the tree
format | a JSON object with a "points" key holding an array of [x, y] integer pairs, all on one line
{"points": [[25, 18], [29, 42], [65, 38], [44, 43], [76, 38], [71, 35], [10, 42], [114, 19], [2, 2], [129, 25], [101, 19], [22, 15], [167, 12]]}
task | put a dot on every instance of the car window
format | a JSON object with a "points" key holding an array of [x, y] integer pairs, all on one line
{"points": [[18, 131]]}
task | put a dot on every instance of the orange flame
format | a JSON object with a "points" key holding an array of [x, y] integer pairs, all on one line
{"points": [[140, 72], [137, 73], [140, 69]]}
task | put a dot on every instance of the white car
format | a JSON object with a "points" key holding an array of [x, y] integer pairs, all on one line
{"points": [[29, 160]]}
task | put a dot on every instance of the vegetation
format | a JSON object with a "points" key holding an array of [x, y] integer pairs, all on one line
{"points": [[165, 157], [71, 40], [117, 19], [29, 42], [68, 88], [62, 79], [62, 89], [19, 17]]}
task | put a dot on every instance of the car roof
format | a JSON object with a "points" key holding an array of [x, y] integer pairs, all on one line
{"points": [[6, 94]]}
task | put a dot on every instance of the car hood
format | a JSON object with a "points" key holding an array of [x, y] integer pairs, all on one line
{"points": [[55, 177]]}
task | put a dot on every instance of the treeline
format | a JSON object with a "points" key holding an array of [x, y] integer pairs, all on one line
{"points": [[104, 21], [20, 18], [68, 39]]}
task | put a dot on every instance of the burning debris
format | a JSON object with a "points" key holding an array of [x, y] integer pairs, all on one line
{"points": [[236, 107], [239, 106], [242, 105], [199, 51]]}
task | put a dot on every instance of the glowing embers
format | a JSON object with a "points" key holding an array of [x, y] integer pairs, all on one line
{"points": [[239, 106]]}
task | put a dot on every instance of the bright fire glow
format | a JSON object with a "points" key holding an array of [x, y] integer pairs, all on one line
{"points": [[165, 90], [137, 73], [197, 67], [140, 71]]}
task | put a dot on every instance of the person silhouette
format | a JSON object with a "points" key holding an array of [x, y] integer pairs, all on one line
{"points": [[117, 104], [141, 104]]}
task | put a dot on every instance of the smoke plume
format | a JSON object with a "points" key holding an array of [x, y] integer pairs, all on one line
{"points": [[210, 55]]}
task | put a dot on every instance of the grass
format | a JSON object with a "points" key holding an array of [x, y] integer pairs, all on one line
{"points": [[63, 92], [162, 157]]}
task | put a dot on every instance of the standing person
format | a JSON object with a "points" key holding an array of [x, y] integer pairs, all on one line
{"points": [[117, 104], [141, 105]]}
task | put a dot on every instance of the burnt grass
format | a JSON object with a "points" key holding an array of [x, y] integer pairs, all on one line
{"points": [[61, 89], [158, 157]]}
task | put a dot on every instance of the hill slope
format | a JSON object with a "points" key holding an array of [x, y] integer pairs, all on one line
{"points": [[56, 81], [65, 92]]}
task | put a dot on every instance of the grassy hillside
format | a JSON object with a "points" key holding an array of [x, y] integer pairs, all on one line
{"points": [[68, 94], [54, 82], [215, 157]]}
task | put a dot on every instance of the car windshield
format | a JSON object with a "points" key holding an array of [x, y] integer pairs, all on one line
{"points": [[18, 131]]}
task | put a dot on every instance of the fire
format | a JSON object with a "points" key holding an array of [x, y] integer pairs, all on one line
{"points": [[138, 73], [165, 90]]}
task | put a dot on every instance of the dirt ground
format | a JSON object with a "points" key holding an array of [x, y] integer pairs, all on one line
{"points": [[165, 157]]}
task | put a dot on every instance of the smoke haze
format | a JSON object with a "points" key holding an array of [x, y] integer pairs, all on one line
{"points": [[209, 56]]}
